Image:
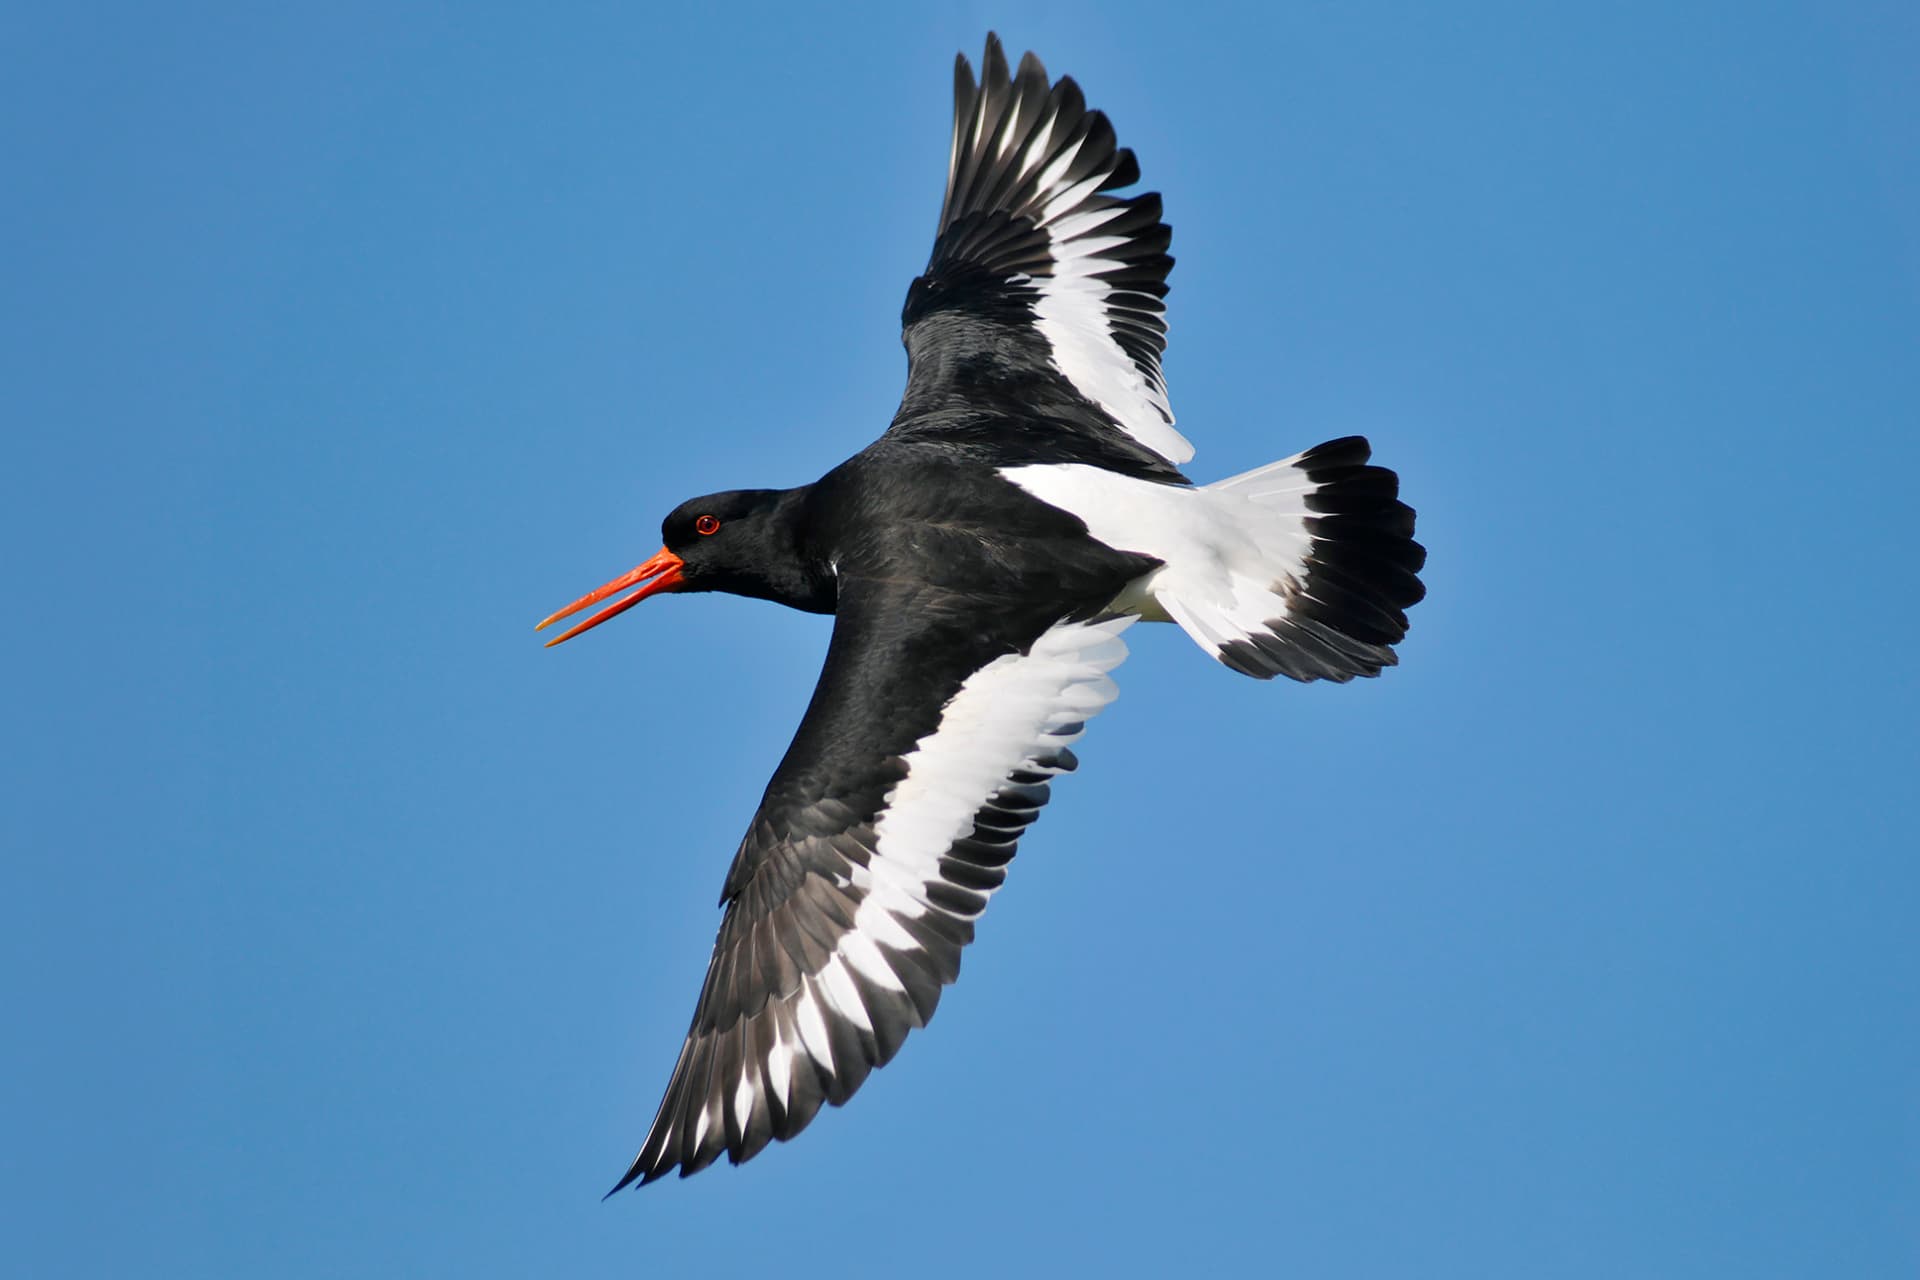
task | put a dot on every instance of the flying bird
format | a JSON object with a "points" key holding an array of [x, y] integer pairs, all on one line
{"points": [[981, 561]]}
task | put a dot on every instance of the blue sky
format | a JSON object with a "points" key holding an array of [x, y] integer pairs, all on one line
{"points": [[346, 932]]}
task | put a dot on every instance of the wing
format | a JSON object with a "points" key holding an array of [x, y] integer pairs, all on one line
{"points": [[926, 751], [1035, 333]]}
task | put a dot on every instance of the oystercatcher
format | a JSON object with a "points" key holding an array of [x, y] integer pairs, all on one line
{"points": [[981, 560]]}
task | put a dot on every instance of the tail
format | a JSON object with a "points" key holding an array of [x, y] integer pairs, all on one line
{"points": [[1320, 573]]}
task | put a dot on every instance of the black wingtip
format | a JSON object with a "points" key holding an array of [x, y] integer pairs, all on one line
{"points": [[646, 1167], [638, 1175], [993, 63]]}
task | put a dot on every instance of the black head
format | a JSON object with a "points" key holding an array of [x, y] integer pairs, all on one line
{"points": [[737, 541], [745, 541]]}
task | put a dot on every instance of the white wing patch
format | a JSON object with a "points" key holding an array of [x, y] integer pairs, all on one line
{"points": [[1011, 715], [1076, 308], [1075, 312], [1016, 709]]}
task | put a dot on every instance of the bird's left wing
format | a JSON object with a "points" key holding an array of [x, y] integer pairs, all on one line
{"points": [[1036, 330], [926, 751]]}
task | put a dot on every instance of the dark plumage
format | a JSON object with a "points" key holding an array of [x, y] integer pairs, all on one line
{"points": [[981, 560]]}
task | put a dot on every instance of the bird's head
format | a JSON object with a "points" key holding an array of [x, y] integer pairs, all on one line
{"points": [[741, 541]]}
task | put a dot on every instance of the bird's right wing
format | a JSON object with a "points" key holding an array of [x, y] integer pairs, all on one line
{"points": [[926, 751], [1035, 333]]}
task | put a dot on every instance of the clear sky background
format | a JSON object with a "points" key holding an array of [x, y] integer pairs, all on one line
{"points": [[344, 931]]}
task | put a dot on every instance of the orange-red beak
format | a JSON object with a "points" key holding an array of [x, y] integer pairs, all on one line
{"points": [[664, 570]]}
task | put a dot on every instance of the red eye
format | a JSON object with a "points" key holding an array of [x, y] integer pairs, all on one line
{"points": [[706, 524]]}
